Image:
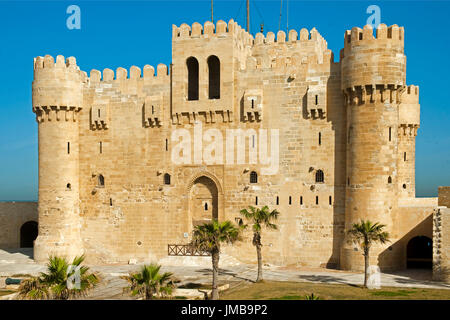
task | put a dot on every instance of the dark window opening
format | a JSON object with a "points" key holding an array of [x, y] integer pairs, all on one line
{"points": [[404, 156], [206, 206], [153, 110], [28, 233], [317, 199], [317, 99], [256, 201], [278, 200], [389, 179], [214, 77], [110, 202], [68, 147], [167, 145], [390, 133], [101, 181], [167, 178], [404, 186], [192, 66], [101, 147], [330, 200], [320, 138], [99, 113], [253, 103], [301, 200], [253, 177], [69, 186], [290, 200], [319, 176]]}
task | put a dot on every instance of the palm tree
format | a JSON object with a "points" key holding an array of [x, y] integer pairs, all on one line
{"points": [[149, 282], [208, 237], [364, 234], [57, 283], [259, 218]]}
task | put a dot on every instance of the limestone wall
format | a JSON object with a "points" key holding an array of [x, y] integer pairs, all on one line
{"points": [[12, 216], [444, 196], [441, 244]]}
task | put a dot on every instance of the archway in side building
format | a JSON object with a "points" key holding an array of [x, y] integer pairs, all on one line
{"points": [[203, 201], [28, 233], [419, 253]]}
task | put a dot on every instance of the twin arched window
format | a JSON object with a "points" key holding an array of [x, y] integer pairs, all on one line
{"points": [[193, 78]]}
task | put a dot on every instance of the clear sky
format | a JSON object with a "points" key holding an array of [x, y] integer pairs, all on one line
{"points": [[125, 33]]}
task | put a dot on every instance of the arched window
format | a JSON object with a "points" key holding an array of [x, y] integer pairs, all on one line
{"points": [[214, 77], [389, 179], [101, 181], [206, 206], [192, 66], [319, 176], [68, 186], [167, 178], [253, 177], [28, 233]]}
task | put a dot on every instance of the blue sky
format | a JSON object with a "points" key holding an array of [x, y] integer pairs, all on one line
{"points": [[120, 34]]}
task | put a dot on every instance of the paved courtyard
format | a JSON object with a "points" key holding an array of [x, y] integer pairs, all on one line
{"points": [[19, 262]]}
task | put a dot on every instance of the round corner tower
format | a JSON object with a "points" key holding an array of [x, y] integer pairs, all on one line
{"points": [[373, 72], [57, 99]]}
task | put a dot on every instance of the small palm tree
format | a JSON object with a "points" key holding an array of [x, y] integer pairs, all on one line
{"points": [[364, 234], [58, 282], [312, 296], [259, 218], [208, 237], [150, 283]]}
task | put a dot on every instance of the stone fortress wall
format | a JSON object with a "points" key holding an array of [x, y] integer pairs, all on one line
{"points": [[108, 185]]}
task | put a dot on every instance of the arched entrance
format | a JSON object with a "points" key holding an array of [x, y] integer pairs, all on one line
{"points": [[203, 201], [419, 253], [28, 233]]}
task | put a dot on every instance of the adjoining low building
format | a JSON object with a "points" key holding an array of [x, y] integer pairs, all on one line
{"points": [[18, 224], [123, 173]]}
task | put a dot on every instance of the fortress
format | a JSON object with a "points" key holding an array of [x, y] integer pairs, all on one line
{"points": [[108, 185]]}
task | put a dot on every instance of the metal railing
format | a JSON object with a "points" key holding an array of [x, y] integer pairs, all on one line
{"points": [[185, 250]]}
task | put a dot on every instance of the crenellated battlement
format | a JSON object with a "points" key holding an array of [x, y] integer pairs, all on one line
{"points": [[357, 36], [221, 30], [121, 74], [63, 69], [293, 37]]}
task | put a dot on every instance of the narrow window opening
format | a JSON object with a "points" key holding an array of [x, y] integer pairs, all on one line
{"points": [[389, 179], [167, 145], [317, 199], [253, 104], [404, 156], [290, 200], [69, 186], [278, 200], [319, 176], [256, 201], [301, 200], [101, 147], [253, 141], [192, 66], [206, 206], [320, 138], [99, 113], [68, 147], [110, 202], [101, 181], [166, 178], [330, 200], [153, 110], [390, 134], [317, 99], [253, 177], [214, 77]]}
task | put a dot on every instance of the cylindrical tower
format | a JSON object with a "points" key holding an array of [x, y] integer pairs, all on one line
{"points": [[373, 77], [57, 99]]}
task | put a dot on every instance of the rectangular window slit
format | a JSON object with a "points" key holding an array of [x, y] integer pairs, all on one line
{"points": [[68, 147]]}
